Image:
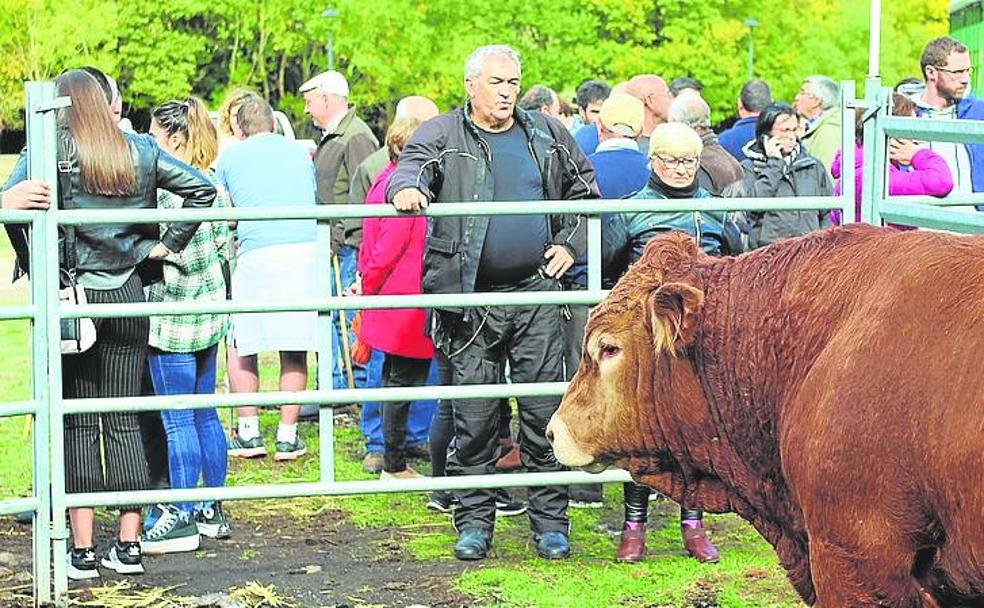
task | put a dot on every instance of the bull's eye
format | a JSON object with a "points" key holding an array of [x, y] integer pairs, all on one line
{"points": [[608, 350]]}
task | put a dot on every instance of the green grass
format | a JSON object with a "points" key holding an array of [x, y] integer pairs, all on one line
{"points": [[747, 577]]}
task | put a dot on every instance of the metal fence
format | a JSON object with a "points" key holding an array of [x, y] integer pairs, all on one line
{"points": [[49, 500]]}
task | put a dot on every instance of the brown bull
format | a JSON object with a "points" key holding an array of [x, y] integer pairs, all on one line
{"points": [[828, 389]]}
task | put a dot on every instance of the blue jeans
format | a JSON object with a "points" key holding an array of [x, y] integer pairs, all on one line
{"points": [[421, 412], [196, 443]]}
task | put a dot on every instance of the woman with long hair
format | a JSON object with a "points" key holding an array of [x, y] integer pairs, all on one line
{"points": [[109, 169], [183, 349]]}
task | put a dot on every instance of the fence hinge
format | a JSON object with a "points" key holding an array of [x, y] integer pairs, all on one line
{"points": [[57, 104]]}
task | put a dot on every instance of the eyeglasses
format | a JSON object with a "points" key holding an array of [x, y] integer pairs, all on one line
{"points": [[965, 71], [671, 162]]}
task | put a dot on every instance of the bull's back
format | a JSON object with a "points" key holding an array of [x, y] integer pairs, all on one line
{"points": [[891, 412]]}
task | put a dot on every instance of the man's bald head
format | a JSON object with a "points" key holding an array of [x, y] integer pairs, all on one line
{"points": [[417, 107], [652, 91]]}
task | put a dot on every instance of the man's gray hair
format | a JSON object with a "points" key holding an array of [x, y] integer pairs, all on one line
{"points": [[475, 61], [692, 111], [824, 89], [539, 96]]}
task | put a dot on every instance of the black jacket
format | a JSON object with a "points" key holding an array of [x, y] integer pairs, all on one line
{"points": [[109, 247], [448, 160], [800, 175]]}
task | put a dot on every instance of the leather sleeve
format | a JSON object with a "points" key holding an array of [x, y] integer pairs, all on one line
{"points": [[188, 183]]}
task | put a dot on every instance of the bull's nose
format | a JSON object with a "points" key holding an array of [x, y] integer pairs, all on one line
{"points": [[550, 433]]}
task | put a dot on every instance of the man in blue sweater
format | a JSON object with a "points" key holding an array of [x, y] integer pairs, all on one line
{"points": [[621, 170], [755, 96]]}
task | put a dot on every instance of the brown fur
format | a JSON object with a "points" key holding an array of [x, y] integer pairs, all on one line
{"points": [[827, 389]]}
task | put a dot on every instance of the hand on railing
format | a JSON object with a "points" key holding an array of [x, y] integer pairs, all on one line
{"points": [[28, 194], [409, 199]]}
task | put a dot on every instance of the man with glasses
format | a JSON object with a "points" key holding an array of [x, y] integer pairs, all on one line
{"points": [[946, 67], [818, 101]]}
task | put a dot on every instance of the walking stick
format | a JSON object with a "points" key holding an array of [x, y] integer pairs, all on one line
{"points": [[346, 353]]}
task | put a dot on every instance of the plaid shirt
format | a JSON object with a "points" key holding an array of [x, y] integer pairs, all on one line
{"points": [[192, 275]]}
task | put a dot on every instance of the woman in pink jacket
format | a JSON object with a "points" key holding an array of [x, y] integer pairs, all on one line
{"points": [[391, 263], [913, 171]]}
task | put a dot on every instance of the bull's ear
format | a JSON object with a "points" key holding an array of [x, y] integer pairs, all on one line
{"points": [[672, 313]]}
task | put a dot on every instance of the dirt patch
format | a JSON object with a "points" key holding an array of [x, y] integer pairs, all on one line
{"points": [[324, 561]]}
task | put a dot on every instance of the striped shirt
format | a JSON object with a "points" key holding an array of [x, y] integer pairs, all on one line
{"points": [[192, 275]]}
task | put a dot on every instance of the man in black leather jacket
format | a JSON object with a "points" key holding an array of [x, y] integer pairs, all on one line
{"points": [[493, 151]]}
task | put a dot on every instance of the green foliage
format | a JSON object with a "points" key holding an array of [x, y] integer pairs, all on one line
{"points": [[404, 47]]}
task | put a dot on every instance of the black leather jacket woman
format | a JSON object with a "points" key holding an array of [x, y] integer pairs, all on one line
{"points": [[117, 247]]}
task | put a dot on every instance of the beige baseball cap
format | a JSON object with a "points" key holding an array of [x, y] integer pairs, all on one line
{"points": [[623, 114]]}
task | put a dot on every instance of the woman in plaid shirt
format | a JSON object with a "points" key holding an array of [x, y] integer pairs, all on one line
{"points": [[183, 348]]}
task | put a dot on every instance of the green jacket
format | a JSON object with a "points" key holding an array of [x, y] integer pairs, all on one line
{"points": [[823, 140], [337, 157]]}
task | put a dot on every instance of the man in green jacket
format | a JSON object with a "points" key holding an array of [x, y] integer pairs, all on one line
{"points": [[818, 101], [346, 141]]}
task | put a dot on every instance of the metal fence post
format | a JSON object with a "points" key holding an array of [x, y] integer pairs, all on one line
{"points": [[326, 354], [42, 142], [848, 169], [875, 175]]}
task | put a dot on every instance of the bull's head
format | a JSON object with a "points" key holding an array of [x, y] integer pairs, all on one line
{"points": [[635, 399]]}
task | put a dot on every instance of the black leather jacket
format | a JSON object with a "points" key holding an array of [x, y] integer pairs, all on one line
{"points": [[111, 247], [448, 160]]}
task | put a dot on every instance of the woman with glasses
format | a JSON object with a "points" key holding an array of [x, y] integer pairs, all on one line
{"points": [[674, 157], [777, 166]]}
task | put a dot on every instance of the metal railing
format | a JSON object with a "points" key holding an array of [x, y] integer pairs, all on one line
{"points": [[48, 408]]}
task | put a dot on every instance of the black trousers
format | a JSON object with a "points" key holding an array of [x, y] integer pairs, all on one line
{"points": [[637, 504], [399, 371], [531, 339], [113, 367]]}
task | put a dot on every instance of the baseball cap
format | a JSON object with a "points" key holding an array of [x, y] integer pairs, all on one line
{"points": [[329, 82], [623, 114]]}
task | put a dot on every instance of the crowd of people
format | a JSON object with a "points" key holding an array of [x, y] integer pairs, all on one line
{"points": [[641, 138]]}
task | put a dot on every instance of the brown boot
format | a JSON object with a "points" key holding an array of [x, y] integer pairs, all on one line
{"points": [[698, 545], [510, 461], [632, 547]]}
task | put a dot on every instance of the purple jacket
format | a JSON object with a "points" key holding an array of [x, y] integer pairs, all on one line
{"points": [[929, 176]]}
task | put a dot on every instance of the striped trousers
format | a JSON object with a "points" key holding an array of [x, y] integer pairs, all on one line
{"points": [[113, 367]]}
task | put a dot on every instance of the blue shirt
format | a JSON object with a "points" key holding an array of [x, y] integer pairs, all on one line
{"points": [[621, 172], [735, 138], [587, 138], [268, 170], [514, 244]]}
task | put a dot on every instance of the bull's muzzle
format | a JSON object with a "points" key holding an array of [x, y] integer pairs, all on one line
{"points": [[565, 448]]}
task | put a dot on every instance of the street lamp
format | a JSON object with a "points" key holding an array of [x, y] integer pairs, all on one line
{"points": [[328, 13], [751, 24]]}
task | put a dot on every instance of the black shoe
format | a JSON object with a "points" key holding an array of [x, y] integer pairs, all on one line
{"points": [[124, 558], [442, 501], [473, 543], [82, 564], [419, 451], [552, 545], [505, 506]]}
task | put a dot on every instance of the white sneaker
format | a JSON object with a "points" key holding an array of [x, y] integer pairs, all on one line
{"points": [[124, 558]]}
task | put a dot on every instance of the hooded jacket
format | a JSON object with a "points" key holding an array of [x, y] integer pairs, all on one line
{"points": [[448, 160], [796, 175]]}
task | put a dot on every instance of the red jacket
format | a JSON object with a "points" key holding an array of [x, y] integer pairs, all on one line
{"points": [[391, 262]]}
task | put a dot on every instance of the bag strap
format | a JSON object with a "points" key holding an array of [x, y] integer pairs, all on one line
{"points": [[70, 258]]}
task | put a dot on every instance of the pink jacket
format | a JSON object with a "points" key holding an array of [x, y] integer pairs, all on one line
{"points": [[391, 262], [929, 176]]}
